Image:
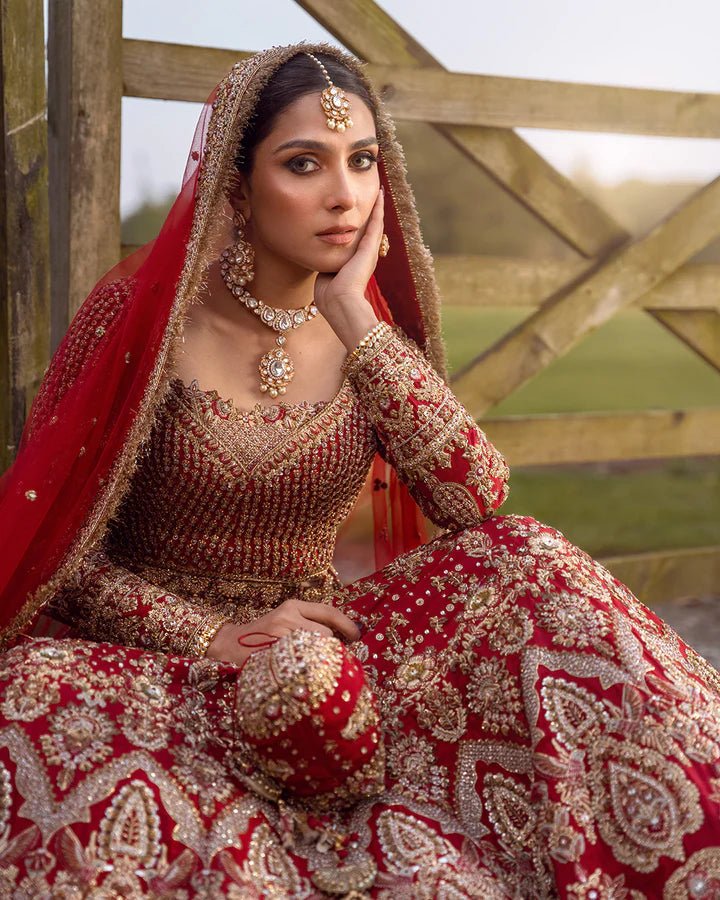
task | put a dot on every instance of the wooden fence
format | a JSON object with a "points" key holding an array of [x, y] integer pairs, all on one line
{"points": [[91, 67]]}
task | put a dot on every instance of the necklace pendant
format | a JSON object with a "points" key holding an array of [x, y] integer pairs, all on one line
{"points": [[276, 372]]}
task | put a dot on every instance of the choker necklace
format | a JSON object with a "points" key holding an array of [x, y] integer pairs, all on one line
{"points": [[275, 367]]}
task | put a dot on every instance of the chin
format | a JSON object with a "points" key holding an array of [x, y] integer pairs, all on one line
{"points": [[331, 263]]}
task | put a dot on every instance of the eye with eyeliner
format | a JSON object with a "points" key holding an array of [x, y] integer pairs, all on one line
{"points": [[365, 154]]}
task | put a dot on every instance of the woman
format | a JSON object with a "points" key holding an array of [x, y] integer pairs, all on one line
{"points": [[487, 714]]}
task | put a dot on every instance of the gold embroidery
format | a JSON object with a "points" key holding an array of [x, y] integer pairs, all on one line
{"points": [[426, 433]]}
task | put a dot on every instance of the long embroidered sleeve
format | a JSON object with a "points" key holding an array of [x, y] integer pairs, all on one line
{"points": [[452, 470], [108, 602]]}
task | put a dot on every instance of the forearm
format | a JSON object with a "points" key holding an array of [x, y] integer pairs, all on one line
{"points": [[107, 602], [455, 474]]}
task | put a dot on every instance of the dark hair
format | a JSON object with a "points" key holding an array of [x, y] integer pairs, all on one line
{"points": [[299, 76]]}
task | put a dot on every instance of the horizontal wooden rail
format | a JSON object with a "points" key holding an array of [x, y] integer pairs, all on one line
{"points": [[668, 575], [496, 281], [183, 72], [605, 437], [506, 282]]}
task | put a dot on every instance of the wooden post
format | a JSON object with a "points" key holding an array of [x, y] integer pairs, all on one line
{"points": [[84, 115], [24, 251]]}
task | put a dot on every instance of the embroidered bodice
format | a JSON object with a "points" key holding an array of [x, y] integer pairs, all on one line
{"points": [[222, 493], [230, 511]]}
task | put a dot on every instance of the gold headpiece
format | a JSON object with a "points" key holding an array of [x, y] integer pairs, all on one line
{"points": [[334, 102]]}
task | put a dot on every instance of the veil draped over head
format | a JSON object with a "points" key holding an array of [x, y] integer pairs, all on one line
{"points": [[96, 404]]}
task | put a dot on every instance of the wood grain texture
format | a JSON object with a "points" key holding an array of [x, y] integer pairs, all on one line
{"points": [[507, 282], [668, 575], [698, 328], [163, 71], [85, 96], [24, 230], [558, 439]]}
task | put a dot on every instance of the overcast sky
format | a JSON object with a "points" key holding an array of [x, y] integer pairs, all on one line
{"points": [[637, 43]]}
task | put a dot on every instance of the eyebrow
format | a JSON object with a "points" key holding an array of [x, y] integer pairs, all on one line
{"points": [[319, 145]]}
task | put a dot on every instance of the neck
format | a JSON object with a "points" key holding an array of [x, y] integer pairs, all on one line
{"points": [[282, 289]]}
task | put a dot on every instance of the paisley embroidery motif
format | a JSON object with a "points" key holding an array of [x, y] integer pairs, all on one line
{"points": [[648, 804], [509, 809], [131, 826], [573, 713]]}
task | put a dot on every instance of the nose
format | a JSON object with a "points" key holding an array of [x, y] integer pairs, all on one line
{"points": [[341, 194]]}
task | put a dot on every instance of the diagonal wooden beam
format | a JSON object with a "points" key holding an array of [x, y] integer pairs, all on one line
{"points": [[565, 318], [698, 328], [372, 34]]}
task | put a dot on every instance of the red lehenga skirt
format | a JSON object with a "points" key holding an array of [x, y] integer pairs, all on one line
{"points": [[544, 735]]}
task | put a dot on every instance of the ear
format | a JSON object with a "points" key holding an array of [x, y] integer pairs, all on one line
{"points": [[239, 196]]}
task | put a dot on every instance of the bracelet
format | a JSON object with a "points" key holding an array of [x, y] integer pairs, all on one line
{"points": [[204, 635], [371, 339]]}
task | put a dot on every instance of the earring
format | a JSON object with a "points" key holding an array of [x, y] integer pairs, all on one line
{"points": [[236, 261], [384, 246]]}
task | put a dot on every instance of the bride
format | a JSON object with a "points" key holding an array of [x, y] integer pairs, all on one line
{"points": [[192, 703]]}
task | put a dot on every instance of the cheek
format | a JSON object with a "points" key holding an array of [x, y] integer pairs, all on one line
{"points": [[368, 196], [283, 210]]}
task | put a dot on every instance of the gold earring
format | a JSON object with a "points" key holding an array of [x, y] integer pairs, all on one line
{"points": [[384, 246], [237, 260]]}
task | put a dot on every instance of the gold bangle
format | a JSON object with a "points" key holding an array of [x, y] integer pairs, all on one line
{"points": [[368, 342], [204, 635]]}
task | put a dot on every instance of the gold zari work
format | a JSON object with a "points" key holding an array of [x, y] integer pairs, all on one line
{"points": [[536, 718]]}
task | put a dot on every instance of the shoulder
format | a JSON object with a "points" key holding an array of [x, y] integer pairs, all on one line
{"points": [[98, 315], [103, 303]]}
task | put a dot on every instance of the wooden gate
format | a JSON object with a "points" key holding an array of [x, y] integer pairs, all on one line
{"points": [[92, 67]]}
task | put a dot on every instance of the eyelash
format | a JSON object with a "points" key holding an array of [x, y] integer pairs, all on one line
{"points": [[365, 155]]}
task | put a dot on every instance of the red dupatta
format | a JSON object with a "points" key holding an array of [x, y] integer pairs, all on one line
{"points": [[96, 404]]}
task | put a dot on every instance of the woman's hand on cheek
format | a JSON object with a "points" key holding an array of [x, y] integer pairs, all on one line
{"points": [[340, 297]]}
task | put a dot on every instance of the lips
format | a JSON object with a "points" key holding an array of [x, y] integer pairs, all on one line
{"points": [[340, 235], [338, 229]]}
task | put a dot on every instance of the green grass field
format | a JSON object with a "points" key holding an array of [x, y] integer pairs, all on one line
{"points": [[630, 363]]}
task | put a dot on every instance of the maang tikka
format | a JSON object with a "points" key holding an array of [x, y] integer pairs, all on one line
{"points": [[237, 269], [334, 102]]}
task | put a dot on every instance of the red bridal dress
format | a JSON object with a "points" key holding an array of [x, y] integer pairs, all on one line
{"points": [[513, 722], [537, 731]]}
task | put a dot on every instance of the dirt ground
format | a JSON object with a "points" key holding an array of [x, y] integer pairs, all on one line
{"points": [[697, 621]]}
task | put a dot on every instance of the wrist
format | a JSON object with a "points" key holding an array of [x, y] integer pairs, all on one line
{"points": [[366, 348], [222, 641], [351, 318]]}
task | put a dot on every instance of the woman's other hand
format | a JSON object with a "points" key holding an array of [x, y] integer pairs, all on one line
{"points": [[289, 616], [340, 297]]}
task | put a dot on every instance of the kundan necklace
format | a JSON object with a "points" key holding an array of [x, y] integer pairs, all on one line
{"points": [[275, 367]]}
